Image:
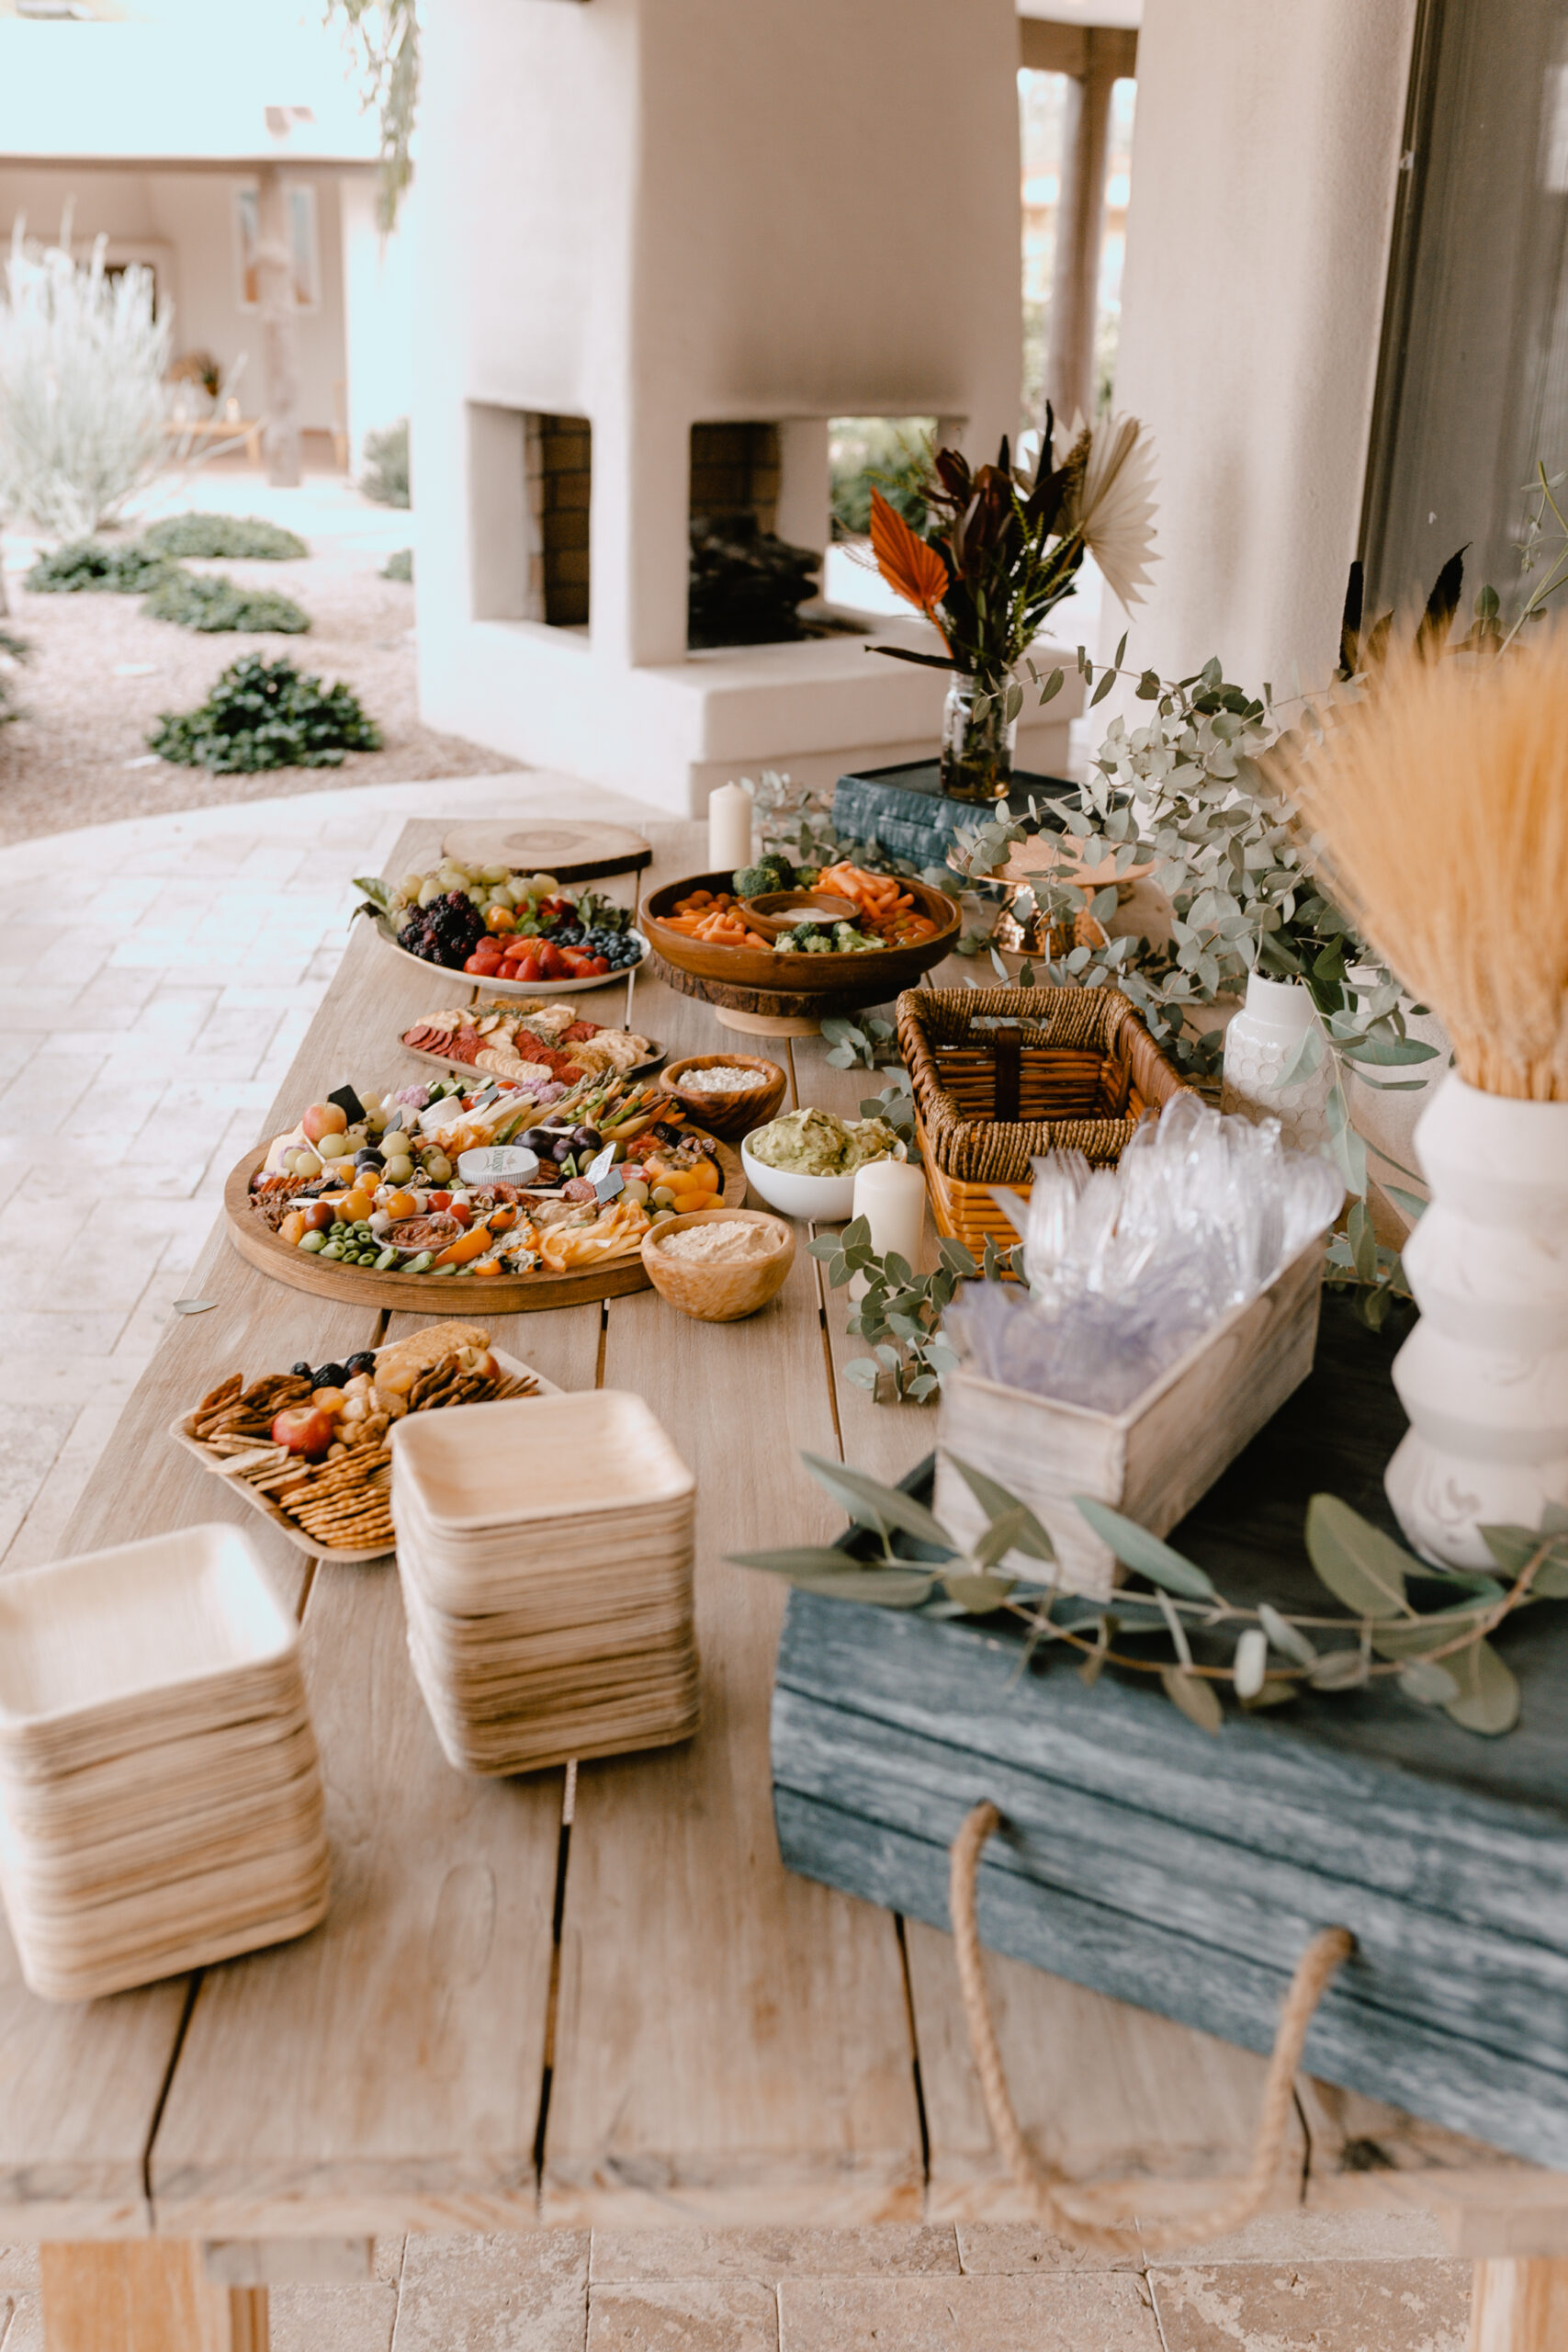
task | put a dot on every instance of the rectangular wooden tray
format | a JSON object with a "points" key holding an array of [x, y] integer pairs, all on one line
{"points": [[1185, 1873], [181, 1431], [1151, 1461]]}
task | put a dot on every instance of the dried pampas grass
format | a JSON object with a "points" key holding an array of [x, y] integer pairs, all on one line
{"points": [[1439, 811]]}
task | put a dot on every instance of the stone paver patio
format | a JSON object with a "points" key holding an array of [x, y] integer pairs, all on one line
{"points": [[157, 976]]}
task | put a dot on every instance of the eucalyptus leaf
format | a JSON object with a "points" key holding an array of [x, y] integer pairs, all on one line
{"points": [[1489, 1696], [1412, 1204], [1136, 1548], [835, 1576], [1287, 1638], [996, 1502], [999, 1538], [980, 1594], [1251, 1662], [1428, 1682], [873, 1505], [1361, 1567], [1195, 1698], [1337, 1670]]}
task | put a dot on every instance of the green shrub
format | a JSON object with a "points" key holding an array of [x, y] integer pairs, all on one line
{"points": [[264, 715], [88, 564], [195, 600], [13, 651], [386, 475], [399, 565], [230, 538]]}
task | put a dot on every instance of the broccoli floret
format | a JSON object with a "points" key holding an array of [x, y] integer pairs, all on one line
{"points": [[770, 873]]}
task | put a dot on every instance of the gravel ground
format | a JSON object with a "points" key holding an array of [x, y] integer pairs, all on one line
{"points": [[100, 673]]}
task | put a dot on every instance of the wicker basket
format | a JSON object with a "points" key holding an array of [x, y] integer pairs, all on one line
{"points": [[1002, 1075]]}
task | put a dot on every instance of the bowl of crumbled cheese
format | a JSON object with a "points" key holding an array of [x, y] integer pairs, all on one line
{"points": [[728, 1094], [719, 1264]]}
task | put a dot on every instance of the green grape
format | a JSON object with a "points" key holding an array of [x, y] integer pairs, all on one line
{"points": [[334, 1146], [306, 1164], [437, 1167], [430, 891]]}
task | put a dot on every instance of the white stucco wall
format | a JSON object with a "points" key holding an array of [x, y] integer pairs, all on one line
{"points": [[1265, 166], [656, 212]]}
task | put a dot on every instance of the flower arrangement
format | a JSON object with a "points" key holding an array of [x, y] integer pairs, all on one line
{"points": [[1002, 547]]}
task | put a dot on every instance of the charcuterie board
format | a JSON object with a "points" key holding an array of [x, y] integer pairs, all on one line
{"points": [[504, 1294]]}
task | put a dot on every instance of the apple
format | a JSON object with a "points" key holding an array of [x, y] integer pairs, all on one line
{"points": [[303, 1429], [324, 1119]]}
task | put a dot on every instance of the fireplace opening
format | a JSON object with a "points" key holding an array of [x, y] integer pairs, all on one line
{"points": [[746, 582]]}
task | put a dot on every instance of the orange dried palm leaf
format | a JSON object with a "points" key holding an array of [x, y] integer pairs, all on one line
{"points": [[911, 569]]}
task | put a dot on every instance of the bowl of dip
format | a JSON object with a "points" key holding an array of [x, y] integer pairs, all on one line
{"points": [[718, 1265], [726, 1094], [805, 1163]]}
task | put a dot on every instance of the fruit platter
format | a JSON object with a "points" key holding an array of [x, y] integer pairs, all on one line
{"points": [[774, 930], [518, 933], [530, 1044], [309, 1446], [539, 1195]]}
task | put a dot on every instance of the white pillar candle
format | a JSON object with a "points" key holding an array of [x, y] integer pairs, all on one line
{"points": [[891, 1193], [729, 828]]}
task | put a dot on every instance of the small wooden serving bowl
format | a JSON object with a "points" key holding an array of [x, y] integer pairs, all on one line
{"points": [[778, 910], [718, 1294], [729, 1115]]}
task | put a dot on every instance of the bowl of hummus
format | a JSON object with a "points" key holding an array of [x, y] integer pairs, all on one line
{"points": [[718, 1265], [805, 1163]]}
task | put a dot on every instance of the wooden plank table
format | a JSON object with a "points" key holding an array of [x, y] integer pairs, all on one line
{"points": [[598, 1997]]}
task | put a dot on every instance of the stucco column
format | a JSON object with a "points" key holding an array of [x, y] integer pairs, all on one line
{"points": [[1265, 168], [280, 350], [1080, 222]]}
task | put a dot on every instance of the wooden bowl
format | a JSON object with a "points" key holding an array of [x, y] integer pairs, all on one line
{"points": [[730, 1114], [874, 977], [720, 1294], [778, 910]]}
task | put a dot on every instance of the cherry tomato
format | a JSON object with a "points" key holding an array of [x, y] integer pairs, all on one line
{"points": [[461, 1211], [500, 919], [441, 1199]]}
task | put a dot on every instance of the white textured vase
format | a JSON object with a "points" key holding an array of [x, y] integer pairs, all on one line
{"points": [[1484, 1376], [1260, 1044]]}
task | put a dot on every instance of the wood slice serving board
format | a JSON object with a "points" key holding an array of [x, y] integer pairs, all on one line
{"points": [[438, 1294], [571, 852], [183, 1433], [1186, 1872]]}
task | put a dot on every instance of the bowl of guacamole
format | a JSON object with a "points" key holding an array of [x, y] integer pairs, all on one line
{"points": [[804, 1162]]}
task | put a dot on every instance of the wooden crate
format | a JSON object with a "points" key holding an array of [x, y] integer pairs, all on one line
{"points": [[1185, 1873], [1002, 1075], [1154, 1459]]}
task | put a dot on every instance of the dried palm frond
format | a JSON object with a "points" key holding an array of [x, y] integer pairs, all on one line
{"points": [[1112, 507], [1439, 812], [912, 569]]}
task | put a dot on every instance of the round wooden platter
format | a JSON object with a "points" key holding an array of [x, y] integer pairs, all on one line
{"points": [[438, 1294], [764, 984], [513, 987], [571, 852], [655, 1061], [770, 1012]]}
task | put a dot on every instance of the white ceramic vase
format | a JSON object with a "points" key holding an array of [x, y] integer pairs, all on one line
{"points": [[1484, 1376], [1260, 1044]]}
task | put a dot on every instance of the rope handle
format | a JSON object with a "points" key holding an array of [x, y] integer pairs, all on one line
{"points": [[1327, 1948]]}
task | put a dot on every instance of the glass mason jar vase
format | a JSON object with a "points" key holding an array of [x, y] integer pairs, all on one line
{"points": [[976, 746]]}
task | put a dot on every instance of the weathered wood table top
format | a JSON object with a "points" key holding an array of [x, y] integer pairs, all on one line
{"points": [[537, 2002]]}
